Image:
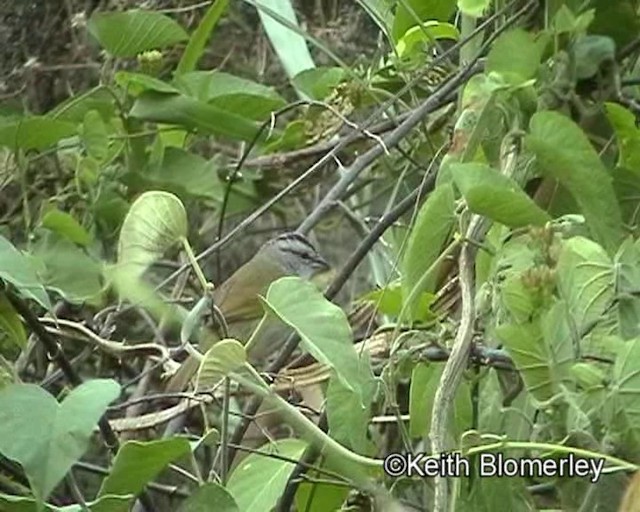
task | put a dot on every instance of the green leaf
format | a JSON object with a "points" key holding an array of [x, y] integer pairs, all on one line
{"points": [[198, 40], [519, 300], [565, 21], [324, 330], [542, 351], [128, 33], [94, 136], [69, 271], [259, 480], [473, 8], [588, 375], [224, 357], [290, 46], [425, 33], [208, 495], [564, 152], [233, 94], [348, 420], [137, 463], [34, 132], [106, 504], [177, 109], [431, 230], [18, 270], [618, 20], [156, 221], [65, 225], [407, 11], [425, 379], [628, 135], [183, 173], [498, 493], [591, 52], [75, 108], [126, 280], [137, 83], [388, 301], [526, 347], [11, 323], [627, 279], [319, 82], [496, 196], [46, 437], [312, 497], [586, 281], [626, 381], [515, 66]]}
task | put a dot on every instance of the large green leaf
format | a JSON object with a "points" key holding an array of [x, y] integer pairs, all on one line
{"points": [[498, 493], [312, 497], [34, 132], [496, 196], [105, 504], [586, 281], [324, 330], [137, 463], [407, 11], [220, 360], [181, 110], [626, 387], [183, 173], [198, 40], [69, 270], [75, 108], [591, 53], [627, 281], [564, 152], [542, 351], [239, 96], [128, 33], [628, 135], [414, 39], [259, 480], [432, 228], [95, 135], [388, 301], [156, 221], [65, 225], [318, 83], [515, 66], [208, 495], [618, 20], [290, 46], [46, 437], [348, 420], [19, 271]]}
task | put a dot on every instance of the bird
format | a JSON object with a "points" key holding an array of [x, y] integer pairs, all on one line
{"points": [[289, 254]]}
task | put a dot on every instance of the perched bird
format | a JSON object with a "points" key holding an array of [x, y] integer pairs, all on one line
{"points": [[290, 254]]}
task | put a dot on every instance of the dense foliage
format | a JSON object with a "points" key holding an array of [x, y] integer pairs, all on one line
{"points": [[479, 165]]}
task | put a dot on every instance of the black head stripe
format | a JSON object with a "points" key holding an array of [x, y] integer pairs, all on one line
{"points": [[297, 245]]}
